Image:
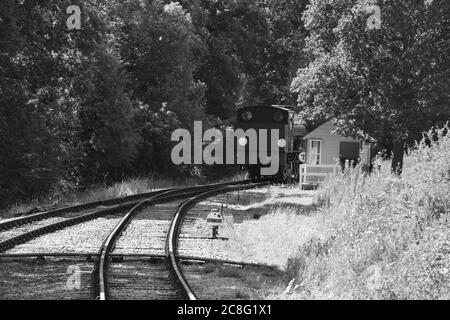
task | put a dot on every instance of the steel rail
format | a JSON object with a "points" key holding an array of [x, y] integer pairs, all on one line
{"points": [[16, 222], [28, 236], [174, 231], [23, 238], [101, 291]]}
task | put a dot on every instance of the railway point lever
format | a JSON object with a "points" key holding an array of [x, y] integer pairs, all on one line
{"points": [[215, 218]]}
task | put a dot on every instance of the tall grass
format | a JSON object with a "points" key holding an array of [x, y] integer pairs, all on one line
{"points": [[274, 238], [383, 236]]}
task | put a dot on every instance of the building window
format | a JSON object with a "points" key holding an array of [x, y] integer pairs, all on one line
{"points": [[315, 149]]}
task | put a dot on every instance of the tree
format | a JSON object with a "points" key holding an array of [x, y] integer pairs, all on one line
{"points": [[391, 83], [38, 58], [109, 140], [233, 33], [160, 51], [283, 49], [253, 51]]}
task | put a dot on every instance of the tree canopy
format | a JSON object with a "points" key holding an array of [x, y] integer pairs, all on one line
{"points": [[391, 83], [99, 103]]}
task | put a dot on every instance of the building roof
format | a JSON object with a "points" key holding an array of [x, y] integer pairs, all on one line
{"points": [[316, 130], [281, 107], [329, 123]]}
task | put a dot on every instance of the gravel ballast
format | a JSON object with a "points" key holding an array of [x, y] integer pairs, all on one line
{"points": [[85, 237]]}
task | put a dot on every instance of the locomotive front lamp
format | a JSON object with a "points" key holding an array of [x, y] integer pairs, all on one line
{"points": [[282, 143], [243, 141], [278, 116]]}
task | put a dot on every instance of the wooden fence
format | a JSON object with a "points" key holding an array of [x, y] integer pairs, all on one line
{"points": [[313, 174]]}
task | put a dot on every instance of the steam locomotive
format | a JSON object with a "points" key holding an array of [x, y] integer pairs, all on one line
{"points": [[290, 142]]}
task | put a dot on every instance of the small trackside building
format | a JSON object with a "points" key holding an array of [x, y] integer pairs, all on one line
{"points": [[325, 150]]}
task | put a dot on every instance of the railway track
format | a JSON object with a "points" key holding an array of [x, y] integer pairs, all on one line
{"points": [[161, 281], [21, 230], [17, 222], [164, 280]]}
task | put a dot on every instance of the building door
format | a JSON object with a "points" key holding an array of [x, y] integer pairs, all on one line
{"points": [[315, 149], [349, 151]]}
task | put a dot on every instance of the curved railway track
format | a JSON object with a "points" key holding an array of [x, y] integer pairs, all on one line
{"points": [[170, 282], [167, 280], [17, 222], [119, 205]]}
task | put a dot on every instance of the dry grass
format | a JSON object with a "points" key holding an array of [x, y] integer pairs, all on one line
{"points": [[102, 192], [95, 193], [382, 237], [274, 238]]}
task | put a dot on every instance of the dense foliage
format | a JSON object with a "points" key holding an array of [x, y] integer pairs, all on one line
{"points": [[392, 83], [95, 105]]}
